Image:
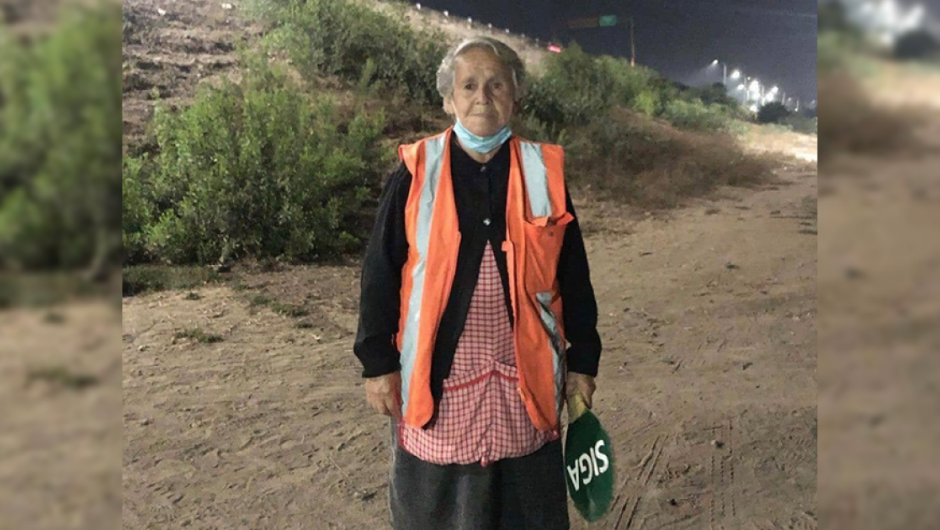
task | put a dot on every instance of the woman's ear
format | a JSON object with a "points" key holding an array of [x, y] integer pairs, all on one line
{"points": [[449, 105]]}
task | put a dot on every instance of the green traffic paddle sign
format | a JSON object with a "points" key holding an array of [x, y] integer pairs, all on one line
{"points": [[589, 464]]}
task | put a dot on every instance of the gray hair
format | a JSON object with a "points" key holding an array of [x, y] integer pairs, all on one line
{"points": [[446, 73]]}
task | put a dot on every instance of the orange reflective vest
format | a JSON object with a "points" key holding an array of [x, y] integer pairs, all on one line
{"points": [[535, 227]]}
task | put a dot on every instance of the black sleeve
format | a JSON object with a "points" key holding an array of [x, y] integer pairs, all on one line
{"points": [[578, 302], [385, 255]]}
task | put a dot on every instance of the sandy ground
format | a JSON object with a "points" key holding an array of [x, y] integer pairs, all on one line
{"points": [[60, 426]]}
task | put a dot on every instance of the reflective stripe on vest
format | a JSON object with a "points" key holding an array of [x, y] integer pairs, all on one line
{"points": [[536, 183], [433, 156]]}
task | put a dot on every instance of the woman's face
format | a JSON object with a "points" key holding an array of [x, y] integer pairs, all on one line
{"points": [[483, 92]]}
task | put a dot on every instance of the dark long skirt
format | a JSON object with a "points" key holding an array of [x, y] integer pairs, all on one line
{"points": [[524, 493]]}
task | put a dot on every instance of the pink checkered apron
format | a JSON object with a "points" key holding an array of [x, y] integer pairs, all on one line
{"points": [[481, 417]]}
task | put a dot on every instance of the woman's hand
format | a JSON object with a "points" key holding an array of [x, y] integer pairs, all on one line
{"points": [[581, 384], [384, 394]]}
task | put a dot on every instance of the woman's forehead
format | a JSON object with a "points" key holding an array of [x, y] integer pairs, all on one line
{"points": [[479, 61]]}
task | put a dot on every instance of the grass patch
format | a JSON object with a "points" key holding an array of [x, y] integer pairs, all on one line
{"points": [[288, 310], [809, 207], [198, 335], [54, 317], [192, 295], [45, 289], [61, 376], [139, 279], [259, 300]]}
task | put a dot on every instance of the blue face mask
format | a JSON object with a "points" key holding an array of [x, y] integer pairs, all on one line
{"points": [[481, 144]]}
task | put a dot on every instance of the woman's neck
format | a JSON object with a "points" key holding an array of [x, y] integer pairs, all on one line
{"points": [[479, 157]]}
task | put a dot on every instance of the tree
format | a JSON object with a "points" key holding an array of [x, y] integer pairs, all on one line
{"points": [[918, 44], [717, 94], [774, 112]]}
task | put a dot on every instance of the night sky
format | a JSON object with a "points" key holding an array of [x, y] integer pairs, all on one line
{"points": [[772, 40]]}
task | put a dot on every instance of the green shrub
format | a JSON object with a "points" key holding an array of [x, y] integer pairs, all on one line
{"points": [[60, 143], [356, 43], [198, 335], [648, 102], [137, 210], [574, 89], [801, 124], [696, 116], [628, 81], [255, 169]]}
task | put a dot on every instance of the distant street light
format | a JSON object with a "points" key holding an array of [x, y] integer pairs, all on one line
{"points": [[736, 74], [724, 71]]}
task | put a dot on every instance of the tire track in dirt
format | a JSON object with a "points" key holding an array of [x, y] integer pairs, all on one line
{"points": [[635, 485], [722, 506]]}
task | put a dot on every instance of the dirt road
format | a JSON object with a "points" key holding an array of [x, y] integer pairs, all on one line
{"points": [[879, 292], [707, 382]]}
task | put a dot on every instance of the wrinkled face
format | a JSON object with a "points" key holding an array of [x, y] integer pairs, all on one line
{"points": [[483, 92]]}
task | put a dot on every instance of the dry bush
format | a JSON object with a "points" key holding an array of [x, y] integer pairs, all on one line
{"points": [[850, 123], [644, 162]]}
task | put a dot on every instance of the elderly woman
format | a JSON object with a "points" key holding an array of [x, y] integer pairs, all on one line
{"points": [[462, 336]]}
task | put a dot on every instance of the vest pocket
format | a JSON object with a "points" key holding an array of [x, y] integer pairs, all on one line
{"points": [[543, 247]]}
